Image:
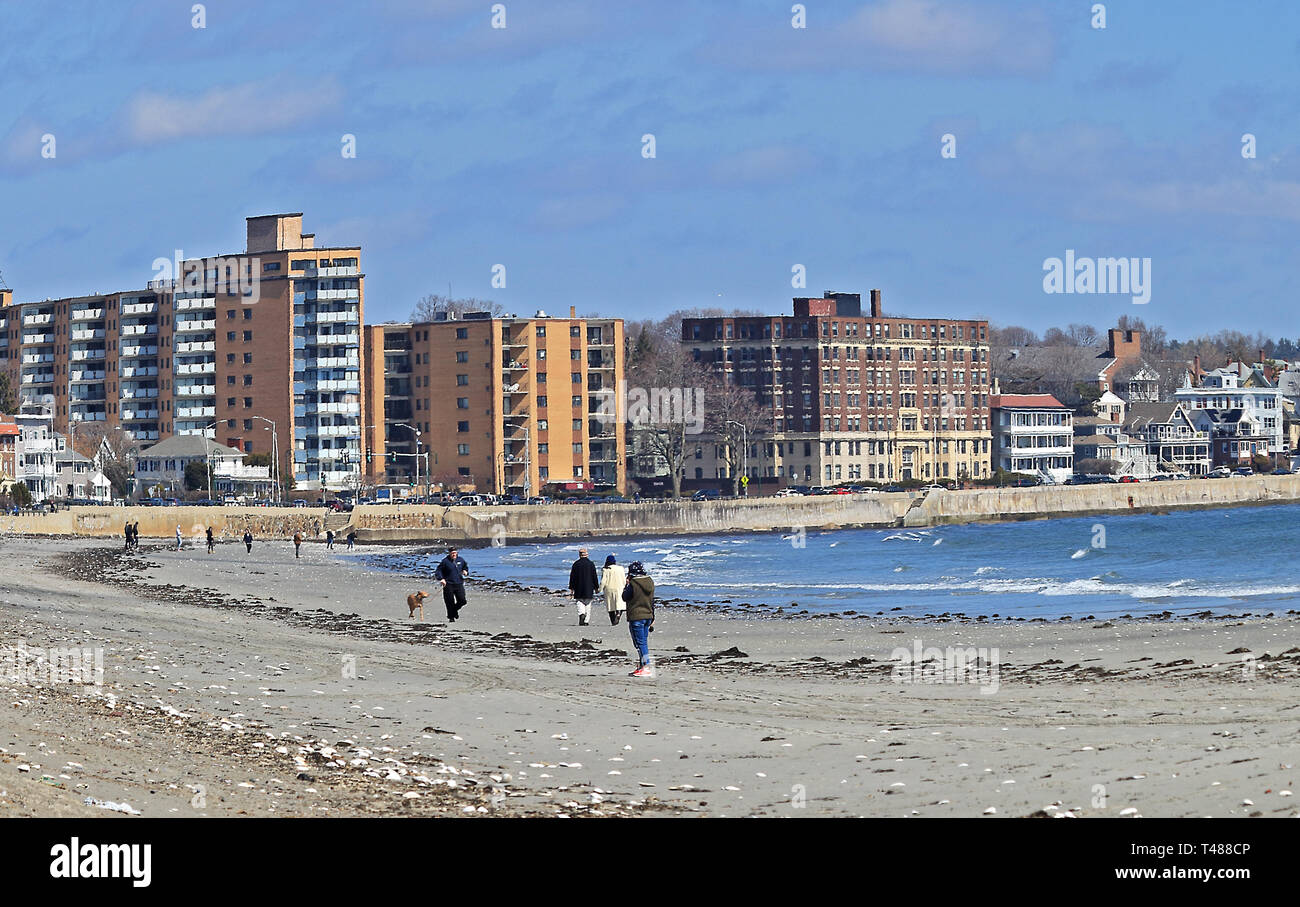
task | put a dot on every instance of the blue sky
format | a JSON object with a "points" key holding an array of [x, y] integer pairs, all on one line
{"points": [[775, 146]]}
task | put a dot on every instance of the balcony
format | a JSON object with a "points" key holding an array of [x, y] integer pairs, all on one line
{"points": [[331, 272], [195, 412], [336, 431], [338, 339], [334, 362], [38, 338], [138, 330], [133, 351], [511, 342], [190, 325], [352, 293], [138, 371], [200, 346], [197, 368], [339, 408], [333, 317], [135, 415], [86, 314], [34, 358], [331, 384], [82, 355], [204, 302], [139, 393], [140, 308], [82, 375], [87, 334], [38, 378], [517, 365], [196, 390], [42, 318]]}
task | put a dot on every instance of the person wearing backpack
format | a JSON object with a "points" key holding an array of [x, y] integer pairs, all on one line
{"points": [[639, 594]]}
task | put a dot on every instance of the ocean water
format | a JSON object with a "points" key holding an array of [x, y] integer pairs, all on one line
{"points": [[1228, 561]]}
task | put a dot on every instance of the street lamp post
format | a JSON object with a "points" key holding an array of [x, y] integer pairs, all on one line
{"points": [[208, 450], [744, 452], [275, 457], [416, 431]]}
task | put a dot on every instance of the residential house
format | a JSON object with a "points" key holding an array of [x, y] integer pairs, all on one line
{"points": [[1171, 435], [163, 466], [1033, 433], [1241, 409]]}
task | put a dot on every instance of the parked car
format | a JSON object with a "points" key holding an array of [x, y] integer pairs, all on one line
{"points": [[1128, 480], [539, 499], [1219, 472], [892, 489], [1243, 471], [787, 493], [1282, 471], [706, 494]]}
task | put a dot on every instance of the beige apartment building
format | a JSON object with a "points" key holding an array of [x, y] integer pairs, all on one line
{"points": [[854, 396], [502, 404], [259, 350]]}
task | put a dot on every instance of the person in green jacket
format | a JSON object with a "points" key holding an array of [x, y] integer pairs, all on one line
{"points": [[639, 593]]}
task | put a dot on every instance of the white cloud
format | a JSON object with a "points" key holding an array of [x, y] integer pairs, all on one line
{"points": [[250, 108]]}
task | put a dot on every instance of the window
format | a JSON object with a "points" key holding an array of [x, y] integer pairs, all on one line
{"points": [[577, 377], [575, 354], [576, 401], [462, 356], [230, 314], [248, 314], [248, 335], [577, 425], [577, 449], [248, 358], [462, 380], [230, 379], [230, 357], [575, 331], [541, 354], [230, 401], [271, 266], [462, 333], [248, 403], [462, 449], [248, 379], [541, 330], [230, 336], [248, 425], [541, 425], [462, 402], [541, 377], [462, 427], [541, 402]]}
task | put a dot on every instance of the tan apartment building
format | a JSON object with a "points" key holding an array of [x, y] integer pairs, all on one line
{"points": [[853, 396], [503, 404], [259, 350]]}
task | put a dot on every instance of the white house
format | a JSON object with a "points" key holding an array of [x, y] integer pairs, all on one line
{"points": [[164, 464], [1242, 420], [77, 477], [1033, 433], [35, 451]]}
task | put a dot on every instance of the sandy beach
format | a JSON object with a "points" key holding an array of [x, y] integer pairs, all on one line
{"points": [[258, 684]]}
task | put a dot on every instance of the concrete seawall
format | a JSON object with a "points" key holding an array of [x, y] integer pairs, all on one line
{"points": [[485, 525]]}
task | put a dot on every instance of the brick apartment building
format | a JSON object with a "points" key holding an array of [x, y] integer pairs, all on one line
{"points": [[503, 404], [225, 347], [854, 396]]}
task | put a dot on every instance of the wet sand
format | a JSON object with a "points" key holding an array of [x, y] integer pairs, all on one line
{"points": [[264, 685]]}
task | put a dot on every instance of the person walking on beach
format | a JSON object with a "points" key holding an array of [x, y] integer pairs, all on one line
{"points": [[135, 534], [451, 572], [640, 597], [329, 539], [178, 536], [352, 538], [212, 543], [248, 541], [582, 583], [612, 580], [297, 544], [127, 532]]}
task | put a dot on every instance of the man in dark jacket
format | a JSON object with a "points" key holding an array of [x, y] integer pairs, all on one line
{"points": [[582, 583], [640, 597], [451, 572]]}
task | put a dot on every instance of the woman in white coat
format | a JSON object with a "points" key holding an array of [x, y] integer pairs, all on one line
{"points": [[612, 580]]}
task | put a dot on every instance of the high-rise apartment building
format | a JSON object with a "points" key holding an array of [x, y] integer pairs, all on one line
{"points": [[508, 405], [853, 396], [259, 350]]}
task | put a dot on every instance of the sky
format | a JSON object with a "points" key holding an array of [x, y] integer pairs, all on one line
{"points": [[774, 148]]}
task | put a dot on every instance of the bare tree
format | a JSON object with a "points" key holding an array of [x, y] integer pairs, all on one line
{"points": [[429, 306], [734, 416], [1083, 335], [664, 405], [1013, 336]]}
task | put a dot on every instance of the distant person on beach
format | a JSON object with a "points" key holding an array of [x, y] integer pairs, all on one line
{"points": [[352, 538], [582, 583], [178, 536], [639, 594], [248, 541], [329, 540], [135, 534], [297, 544], [212, 543], [127, 532], [612, 580], [451, 572]]}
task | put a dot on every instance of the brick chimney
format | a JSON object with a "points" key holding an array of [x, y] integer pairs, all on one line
{"points": [[876, 310]]}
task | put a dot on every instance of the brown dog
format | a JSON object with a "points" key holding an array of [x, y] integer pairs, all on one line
{"points": [[416, 602]]}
